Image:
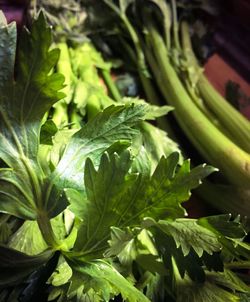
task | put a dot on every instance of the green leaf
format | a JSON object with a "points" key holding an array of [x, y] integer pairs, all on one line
{"points": [[7, 49], [186, 290], [109, 126], [102, 206], [104, 280], [142, 163], [60, 140], [153, 110], [168, 251], [188, 234], [115, 197], [230, 233], [223, 225], [122, 244], [14, 265], [62, 273], [5, 232], [162, 195], [151, 263], [31, 94], [208, 292], [48, 130], [28, 239], [244, 297], [23, 103], [157, 143], [230, 280]]}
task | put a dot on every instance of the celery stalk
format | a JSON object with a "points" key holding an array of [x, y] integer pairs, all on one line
{"points": [[222, 153], [226, 198], [235, 122], [232, 121]]}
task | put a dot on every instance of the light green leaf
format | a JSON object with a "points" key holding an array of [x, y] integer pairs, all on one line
{"points": [[114, 197], [154, 111], [141, 162], [104, 281], [60, 140], [188, 234], [157, 143], [122, 244], [28, 239], [62, 273], [109, 126]]}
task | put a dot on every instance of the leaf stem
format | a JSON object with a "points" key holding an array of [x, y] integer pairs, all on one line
{"points": [[114, 92], [238, 265], [47, 231]]}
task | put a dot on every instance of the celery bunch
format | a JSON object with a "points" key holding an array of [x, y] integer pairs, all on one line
{"points": [[162, 54]]}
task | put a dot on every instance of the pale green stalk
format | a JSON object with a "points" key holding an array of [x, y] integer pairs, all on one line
{"points": [[213, 145], [234, 123]]}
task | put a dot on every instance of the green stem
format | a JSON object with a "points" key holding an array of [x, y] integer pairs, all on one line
{"points": [[215, 146], [141, 63], [233, 122], [238, 265], [151, 95], [47, 231], [114, 92], [175, 25]]}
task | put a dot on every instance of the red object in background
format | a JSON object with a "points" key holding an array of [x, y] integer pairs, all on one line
{"points": [[219, 72], [231, 62]]}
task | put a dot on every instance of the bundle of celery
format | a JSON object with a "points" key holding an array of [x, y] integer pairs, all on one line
{"points": [[90, 209], [159, 45]]}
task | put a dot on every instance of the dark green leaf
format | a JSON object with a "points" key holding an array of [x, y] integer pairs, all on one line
{"points": [[103, 206], [5, 232], [151, 263], [190, 264], [14, 265], [23, 103], [223, 225], [48, 130]]}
